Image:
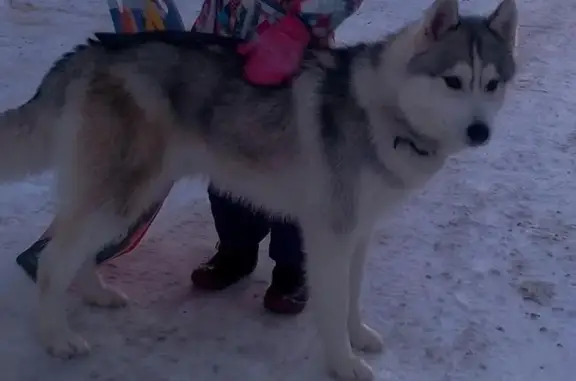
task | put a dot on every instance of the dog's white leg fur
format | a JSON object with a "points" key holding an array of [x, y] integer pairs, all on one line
{"points": [[54, 278], [362, 337], [74, 240], [95, 292], [329, 260]]}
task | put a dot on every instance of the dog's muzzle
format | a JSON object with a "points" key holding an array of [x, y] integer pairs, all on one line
{"points": [[477, 134]]}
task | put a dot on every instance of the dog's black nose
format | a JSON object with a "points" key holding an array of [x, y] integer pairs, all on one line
{"points": [[478, 133]]}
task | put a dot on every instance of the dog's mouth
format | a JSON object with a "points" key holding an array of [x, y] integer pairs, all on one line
{"points": [[418, 143], [412, 144]]}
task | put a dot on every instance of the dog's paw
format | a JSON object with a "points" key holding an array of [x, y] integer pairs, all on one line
{"points": [[364, 338], [351, 369], [65, 345], [106, 297]]}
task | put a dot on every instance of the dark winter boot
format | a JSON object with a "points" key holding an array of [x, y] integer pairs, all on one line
{"points": [[225, 268], [288, 292]]}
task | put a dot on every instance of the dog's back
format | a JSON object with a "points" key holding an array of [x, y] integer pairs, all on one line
{"points": [[167, 79]]}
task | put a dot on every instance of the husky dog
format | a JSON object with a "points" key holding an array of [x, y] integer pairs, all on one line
{"points": [[344, 142]]}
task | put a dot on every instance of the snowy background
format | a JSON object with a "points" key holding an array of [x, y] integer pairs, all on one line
{"points": [[473, 280]]}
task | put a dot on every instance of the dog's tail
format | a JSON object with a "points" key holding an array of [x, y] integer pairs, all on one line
{"points": [[27, 132], [25, 141]]}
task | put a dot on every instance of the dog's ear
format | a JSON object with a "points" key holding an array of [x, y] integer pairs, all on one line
{"points": [[504, 21], [439, 18]]}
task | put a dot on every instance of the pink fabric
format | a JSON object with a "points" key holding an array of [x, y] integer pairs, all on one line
{"points": [[276, 54]]}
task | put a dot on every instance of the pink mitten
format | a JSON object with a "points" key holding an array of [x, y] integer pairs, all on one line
{"points": [[276, 54]]}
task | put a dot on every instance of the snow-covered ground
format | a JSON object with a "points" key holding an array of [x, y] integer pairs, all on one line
{"points": [[473, 280]]}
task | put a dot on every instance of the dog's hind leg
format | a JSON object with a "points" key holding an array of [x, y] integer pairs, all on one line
{"points": [[94, 291], [362, 337], [329, 263], [77, 236]]}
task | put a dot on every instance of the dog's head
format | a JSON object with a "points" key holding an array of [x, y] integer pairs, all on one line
{"points": [[458, 73]]}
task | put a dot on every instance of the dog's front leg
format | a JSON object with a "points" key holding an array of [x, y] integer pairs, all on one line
{"points": [[329, 260], [362, 337]]}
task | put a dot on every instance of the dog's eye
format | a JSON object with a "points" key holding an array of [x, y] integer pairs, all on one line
{"points": [[453, 82], [492, 85]]}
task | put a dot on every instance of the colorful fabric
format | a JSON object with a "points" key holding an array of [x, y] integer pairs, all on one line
{"points": [[247, 19], [131, 16]]}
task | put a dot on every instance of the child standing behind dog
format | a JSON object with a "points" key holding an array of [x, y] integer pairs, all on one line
{"points": [[277, 32]]}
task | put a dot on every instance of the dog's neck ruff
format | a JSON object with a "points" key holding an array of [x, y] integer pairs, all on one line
{"points": [[406, 135], [397, 133], [340, 73]]}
